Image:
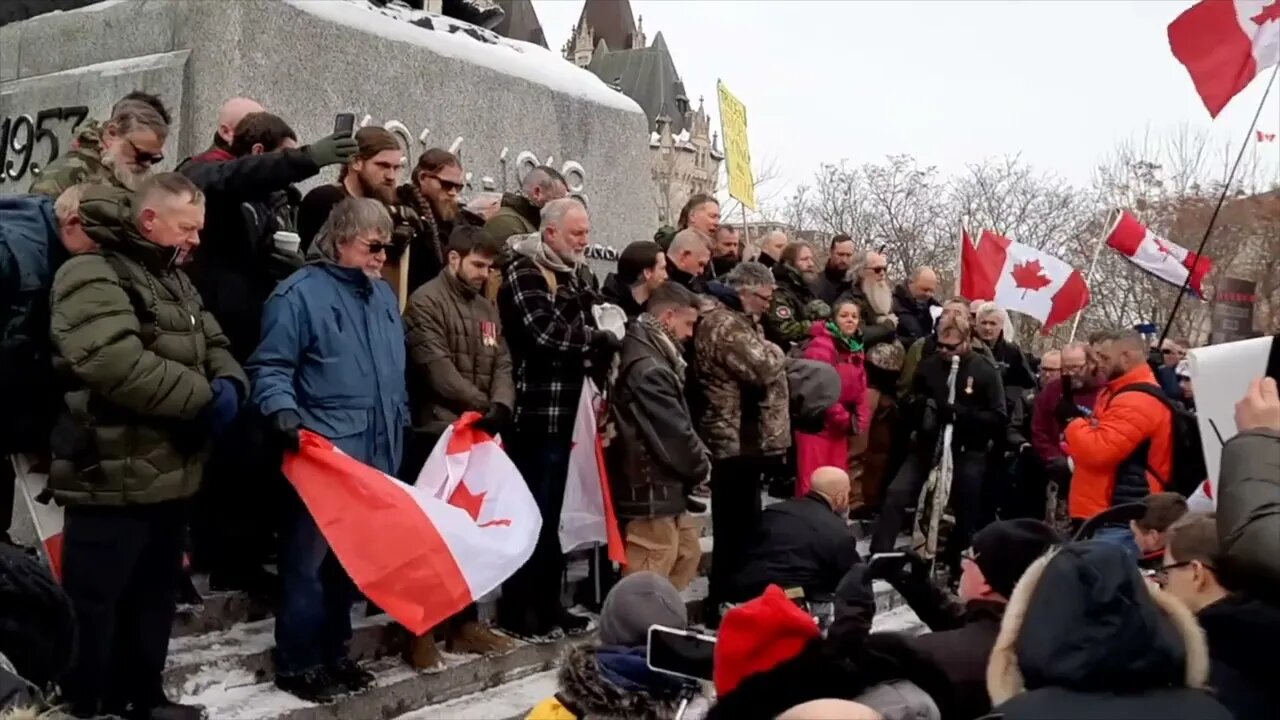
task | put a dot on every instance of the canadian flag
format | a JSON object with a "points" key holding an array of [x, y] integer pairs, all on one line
{"points": [[46, 517], [1168, 261], [1224, 44], [1265, 136], [1019, 277], [426, 551], [587, 517]]}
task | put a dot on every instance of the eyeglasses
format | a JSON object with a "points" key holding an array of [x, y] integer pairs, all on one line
{"points": [[878, 270], [143, 157], [379, 247], [446, 184], [1161, 575], [949, 347], [1168, 351], [767, 297]]}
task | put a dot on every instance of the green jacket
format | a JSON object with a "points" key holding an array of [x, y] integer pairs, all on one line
{"points": [[516, 216], [138, 352], [81, 164]]}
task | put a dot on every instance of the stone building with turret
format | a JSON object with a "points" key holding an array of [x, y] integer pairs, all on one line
{"points": [[610, 41]]}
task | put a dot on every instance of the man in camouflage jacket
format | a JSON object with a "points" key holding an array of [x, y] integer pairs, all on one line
{"points": [[743, 378], [120, 152]]}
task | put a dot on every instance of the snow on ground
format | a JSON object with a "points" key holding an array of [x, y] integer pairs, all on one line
{"points": [[507, 56], [515, 699]]}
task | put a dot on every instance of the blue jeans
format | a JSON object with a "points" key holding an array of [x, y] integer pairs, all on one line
{"points": [[313, 626], [1118, 535]]}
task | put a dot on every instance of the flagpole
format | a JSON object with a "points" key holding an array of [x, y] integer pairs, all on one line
{"points": [[1088, 281], [1222, 198]]}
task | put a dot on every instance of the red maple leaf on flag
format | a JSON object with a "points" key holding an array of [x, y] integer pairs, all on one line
{"points": [[463, 498], [1267, 14], [1030, 277]]}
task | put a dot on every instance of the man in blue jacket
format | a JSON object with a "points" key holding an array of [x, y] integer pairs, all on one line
{"points": [[36, 235], [332, 360]]}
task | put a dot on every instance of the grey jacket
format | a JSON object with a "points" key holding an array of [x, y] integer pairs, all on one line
{"points": [[1249, 504]]}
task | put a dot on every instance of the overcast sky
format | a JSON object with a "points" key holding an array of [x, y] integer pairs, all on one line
{"points": [[950, 82]]}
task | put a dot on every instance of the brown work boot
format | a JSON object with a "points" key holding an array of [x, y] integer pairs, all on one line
{"points": [[472, 637], [423, 654]]}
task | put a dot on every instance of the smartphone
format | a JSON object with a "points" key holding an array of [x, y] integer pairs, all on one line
{"points": [[682, 653], [344, 124], [888, 555]]}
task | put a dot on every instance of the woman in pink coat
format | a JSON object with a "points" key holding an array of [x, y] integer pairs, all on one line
{"points": [[838, 343]]}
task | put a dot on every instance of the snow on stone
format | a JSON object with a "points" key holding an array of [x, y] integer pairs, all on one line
{"points": [[511, 700], [458, 40], [106, 68]]}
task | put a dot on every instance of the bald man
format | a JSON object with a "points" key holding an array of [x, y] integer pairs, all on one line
{"points": [[687, 257], [229, 115], [913, 303], [771, 247], [803, 542]]}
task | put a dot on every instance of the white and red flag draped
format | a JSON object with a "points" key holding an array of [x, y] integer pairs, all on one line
{"points": [[421, 552], [1022, 278], [1166, 260], [1225, 44], [587, 517]]}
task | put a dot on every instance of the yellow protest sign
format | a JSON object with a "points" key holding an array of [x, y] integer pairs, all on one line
{"points": [[733, 127]]}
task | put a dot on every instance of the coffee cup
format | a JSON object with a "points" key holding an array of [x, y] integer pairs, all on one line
{"points": [[287, 241]]}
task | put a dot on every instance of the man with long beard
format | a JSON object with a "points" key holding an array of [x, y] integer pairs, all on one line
{"points": [[121, 152], [372, 173], [432, 194]]}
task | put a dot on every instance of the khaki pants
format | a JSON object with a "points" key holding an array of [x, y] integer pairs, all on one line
{"points": [[664, 545]]}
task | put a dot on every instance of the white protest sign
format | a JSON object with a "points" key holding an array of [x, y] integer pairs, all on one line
{"points": [[1220, 376]]}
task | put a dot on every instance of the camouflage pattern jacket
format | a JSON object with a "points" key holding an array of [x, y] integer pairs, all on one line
{"points": [[794, 308], [81, 164], [744, 382]]}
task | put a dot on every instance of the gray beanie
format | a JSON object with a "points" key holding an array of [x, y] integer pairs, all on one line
{"points": [[637, 602]]}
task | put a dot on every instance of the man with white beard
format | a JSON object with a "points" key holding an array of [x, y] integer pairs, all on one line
{"points": [[869, 452], [120, 152]]}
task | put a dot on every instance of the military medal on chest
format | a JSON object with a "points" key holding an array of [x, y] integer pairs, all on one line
{"points": [[968, 385]]}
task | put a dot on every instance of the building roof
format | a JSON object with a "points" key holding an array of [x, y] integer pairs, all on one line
{"points": [[610, 20], [520, 22], [646, 75]]}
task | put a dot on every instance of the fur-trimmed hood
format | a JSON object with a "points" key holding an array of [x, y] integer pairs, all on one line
{"points": [[827, 668], [1083, 619], [602, 684]]}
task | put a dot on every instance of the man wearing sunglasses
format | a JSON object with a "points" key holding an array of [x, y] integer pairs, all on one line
{"points": [[979, 418], [432, 194], [121, 152]]}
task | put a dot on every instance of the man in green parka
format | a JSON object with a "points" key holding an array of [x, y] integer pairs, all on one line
{"points": [[150, 382]]}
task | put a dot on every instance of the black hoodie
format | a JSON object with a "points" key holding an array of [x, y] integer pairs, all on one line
{"points": [[1243, 635], [616, 292]]}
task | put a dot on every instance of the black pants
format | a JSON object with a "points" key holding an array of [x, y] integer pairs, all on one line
{"points": [[735, 517], [530, 602], [236, 513], [967, 481], [121, 568]]}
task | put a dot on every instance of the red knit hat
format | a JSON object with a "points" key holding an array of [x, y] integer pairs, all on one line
{"points": [[758, 636]]}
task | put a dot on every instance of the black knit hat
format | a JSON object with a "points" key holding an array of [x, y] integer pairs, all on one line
{"points": [[1004, 550], [37, 624]]}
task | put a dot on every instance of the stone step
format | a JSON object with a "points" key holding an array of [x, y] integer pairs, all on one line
{"points": [[231, 672]]}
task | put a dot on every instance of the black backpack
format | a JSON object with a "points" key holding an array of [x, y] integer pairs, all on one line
{"points": [[1189, 470]]}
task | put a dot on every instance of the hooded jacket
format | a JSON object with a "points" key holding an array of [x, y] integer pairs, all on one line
{"points": [[614, 683], [333, 350], [743, 382], [1241, 632], [30, 253], [1085, 637], [791, 311], [1124, 452], [81, 165], [614, 291], [139, 352], [1249, 510]]}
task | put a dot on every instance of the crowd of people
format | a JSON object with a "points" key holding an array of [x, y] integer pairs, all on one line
{"points": [[167, 337]]}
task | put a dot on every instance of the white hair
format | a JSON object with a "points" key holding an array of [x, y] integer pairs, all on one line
{"points": [[749, 275], [554, 212], [350, 219]]}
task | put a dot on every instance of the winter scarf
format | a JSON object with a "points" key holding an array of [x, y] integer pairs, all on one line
{"points": [[666, 343], [853, 344], [531, 245]]}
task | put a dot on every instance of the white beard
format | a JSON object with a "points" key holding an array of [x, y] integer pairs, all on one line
{"points": [[879, 295], [126, 177]]}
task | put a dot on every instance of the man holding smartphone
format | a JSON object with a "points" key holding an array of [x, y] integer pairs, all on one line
{"points": [[370, 172]]}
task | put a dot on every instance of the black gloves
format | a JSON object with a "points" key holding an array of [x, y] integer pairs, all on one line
{"points": [[336, 149], [494, 420], [605, 340], [284, 427]]}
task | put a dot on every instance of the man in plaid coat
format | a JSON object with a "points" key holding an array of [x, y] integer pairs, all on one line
{"points": [[546, 315]]}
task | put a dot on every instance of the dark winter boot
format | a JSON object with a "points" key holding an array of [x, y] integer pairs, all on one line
{"points": [[314, 686], [350, 675], [174, 711]]}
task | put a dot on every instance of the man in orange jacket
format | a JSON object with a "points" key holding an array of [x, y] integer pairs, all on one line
{"points": [[1124, 452]]}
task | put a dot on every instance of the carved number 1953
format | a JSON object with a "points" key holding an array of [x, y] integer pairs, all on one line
{"points": [[20, 135]]}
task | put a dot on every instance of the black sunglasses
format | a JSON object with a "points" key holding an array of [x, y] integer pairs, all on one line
{"points": [[145, 158], [878, 270], [950, 347], [446, 184]]}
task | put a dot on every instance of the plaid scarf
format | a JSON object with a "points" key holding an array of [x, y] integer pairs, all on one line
{"points": [[666, 343]]}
